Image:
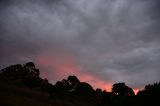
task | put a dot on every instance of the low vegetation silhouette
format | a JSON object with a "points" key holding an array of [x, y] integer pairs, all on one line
{"points": [[21, 85]]}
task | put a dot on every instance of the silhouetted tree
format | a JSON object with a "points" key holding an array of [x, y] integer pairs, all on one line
{"points": [[122, 90], [72, 83], [32, 71], [98, 91], [26, 74], [84, 89], [14, 72], [30, 64], [150, 95], [150, 90], [60, 89]]}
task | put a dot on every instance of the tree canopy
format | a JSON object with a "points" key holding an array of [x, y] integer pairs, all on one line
{"points": [[122, 90]]}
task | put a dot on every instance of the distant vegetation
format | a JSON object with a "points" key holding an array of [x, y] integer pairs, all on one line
{"points": [[21, 85]]}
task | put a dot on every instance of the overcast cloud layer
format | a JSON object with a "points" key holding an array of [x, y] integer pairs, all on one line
{"points": [[110, 40]]}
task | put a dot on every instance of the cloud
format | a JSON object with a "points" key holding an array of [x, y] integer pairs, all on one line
{"points": [[108, 40]]}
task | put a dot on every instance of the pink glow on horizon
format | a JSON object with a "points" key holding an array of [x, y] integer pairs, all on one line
{"points": [[135, 91], [60, 66], [95, 82]]}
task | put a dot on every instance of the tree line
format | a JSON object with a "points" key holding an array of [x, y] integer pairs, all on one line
{"points": [[72, 89]]}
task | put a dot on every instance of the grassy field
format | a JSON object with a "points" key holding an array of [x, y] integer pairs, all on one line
{"points": [[11, 95], [16, 96]]}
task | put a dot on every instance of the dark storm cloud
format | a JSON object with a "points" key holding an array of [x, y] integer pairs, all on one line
{"points": [[114, 40]]}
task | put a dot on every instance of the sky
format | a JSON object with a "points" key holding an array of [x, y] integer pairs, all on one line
{"points": [[102, 42]]}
